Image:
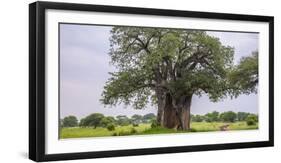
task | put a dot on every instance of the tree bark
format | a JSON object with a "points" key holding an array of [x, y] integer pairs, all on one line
{"points": [[185, 116], [177, 116], [161, 102], [170, 119]]}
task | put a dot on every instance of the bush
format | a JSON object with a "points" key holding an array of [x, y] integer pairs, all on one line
{"points": [[110, 127], [154, 124], [250, 122], [252, 119], [133, 131]]}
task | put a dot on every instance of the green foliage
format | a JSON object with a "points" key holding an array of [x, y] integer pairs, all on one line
{"points": [[148, 118], [154, 124], [250, 122], [229, 116], [176, 61], [69, 121], [110, 127], [93, 120], [252, 119], [136, 119], [197, 118], [143, 129], [212, 117], [241, 116], [133, 130], [244, 77], [107, 120], [123, 120]]}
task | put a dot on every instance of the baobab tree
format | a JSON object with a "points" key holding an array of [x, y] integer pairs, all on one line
{"points": [[167, 67]]}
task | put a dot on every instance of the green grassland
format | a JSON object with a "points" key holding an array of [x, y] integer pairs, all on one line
{"points": [[144, 129]]}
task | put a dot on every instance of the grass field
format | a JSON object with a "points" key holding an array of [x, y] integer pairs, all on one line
{"points": [[144, 129]]}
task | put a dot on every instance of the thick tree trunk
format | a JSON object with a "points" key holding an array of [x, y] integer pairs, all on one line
{"points": [[170, 119], [177, 117], [161, 102], [185, 116]]}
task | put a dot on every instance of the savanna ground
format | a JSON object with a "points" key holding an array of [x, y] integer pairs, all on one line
{"points": [[144, 129]]}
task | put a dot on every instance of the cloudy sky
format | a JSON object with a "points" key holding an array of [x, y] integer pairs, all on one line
{"points": [[84, 67]]}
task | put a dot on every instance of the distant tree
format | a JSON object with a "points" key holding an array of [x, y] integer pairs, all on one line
{"points": [[229, 116], [69, 121], [197, 118], [136, 119], [93, 120], [107, 120], [212, 117], [252, 119], [147, 118], [123, 120], [241, 116], [82, 122]]}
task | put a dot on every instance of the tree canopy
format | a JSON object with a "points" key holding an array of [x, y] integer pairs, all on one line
{"points": [[244, 76], [93, 120], [175, 61], [69, 121], [168, 66]]}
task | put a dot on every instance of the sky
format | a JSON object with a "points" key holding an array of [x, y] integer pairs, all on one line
{"points": [[84, 67]]}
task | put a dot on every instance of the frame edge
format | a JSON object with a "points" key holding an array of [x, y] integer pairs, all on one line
{"points": [[37, 83], [32, 82]]}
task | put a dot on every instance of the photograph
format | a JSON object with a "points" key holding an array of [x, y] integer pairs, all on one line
{"points": [[137, 80], [103, 77]]}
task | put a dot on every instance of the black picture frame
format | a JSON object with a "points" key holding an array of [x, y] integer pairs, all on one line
{"points": [[37, 77]]}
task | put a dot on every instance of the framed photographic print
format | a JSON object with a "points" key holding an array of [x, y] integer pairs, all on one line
{"points": [[118, 81]]}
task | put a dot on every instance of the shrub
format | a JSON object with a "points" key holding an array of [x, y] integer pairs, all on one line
{"points": [[250, 122], [252, 119], [154, 124], [110, 127], [133, 131]]}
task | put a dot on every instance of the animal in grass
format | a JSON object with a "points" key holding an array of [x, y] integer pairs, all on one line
{"points": [[224, 127]]}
